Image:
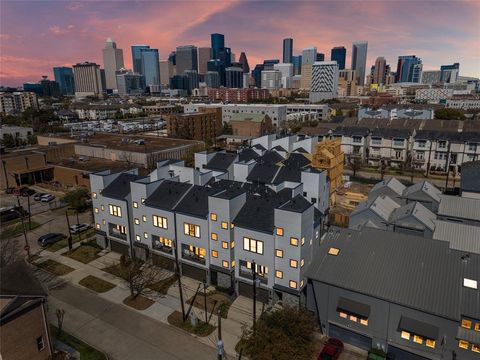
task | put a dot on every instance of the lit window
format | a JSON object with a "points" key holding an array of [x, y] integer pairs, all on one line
{"points": [[159, 221], [343, 315], [224, 225], [292, 284], [145, 235], [94, 195], [417, 339], [463, 344], [104, 222], [215, 253], [143, 200], [279, 274], [144, 218], [135, 204], [293, 263], [137, 221], [102, 207], [232, 226], [191, 230], [467, 324], [253, 245], [224, 245], [364, 322], [302, 262], [97, 226], [96, 210], [333, 251], [279, 253], [303, 240], [353, 318], [405, 335], [477, 326], [294, 241], [233, 263], [214, 236], [279, 231], [137, 237], [225, 263], [475, 348], [430, 343], [232, 244], [115, 210], [213, 217]]}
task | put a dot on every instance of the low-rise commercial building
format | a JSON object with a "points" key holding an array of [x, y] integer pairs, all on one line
{"points": [[238, 95], [251, 125], [278, 113]]}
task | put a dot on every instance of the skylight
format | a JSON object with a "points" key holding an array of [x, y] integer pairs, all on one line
{"points": [[333, 251], [472, 284]]}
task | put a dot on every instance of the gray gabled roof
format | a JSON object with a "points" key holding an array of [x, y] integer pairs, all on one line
{"points": [[392, 184], [409, 270], [459, 207], [418, 211], [425, 187], [381, 205], [120, 187]]}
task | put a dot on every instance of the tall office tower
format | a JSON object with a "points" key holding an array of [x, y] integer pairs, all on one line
{"points": [[186, 57], [234, 77], [287, 73], [430, 77], [232, 58], [257, 74], [151, 69], [339, 54], [204, 56], [271, 79], [449, 73], [297, 64], [324, 81], [379, 74], [417, 73], [309, 56], [166, 72], [64, 77], [218, 44], [359, 60], [407, 71], [212, 79], [88, 79], [137, 57], [192, 79], [287, 50], [320, 57], [244, 62], [112, 61], [217, 66]]}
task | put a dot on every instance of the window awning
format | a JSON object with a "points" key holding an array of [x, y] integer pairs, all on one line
{"points": [[471, 336], [353, 307], [418, 328]]}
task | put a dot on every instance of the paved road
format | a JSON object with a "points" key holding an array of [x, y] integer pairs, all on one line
{"points": [[122, 333]]}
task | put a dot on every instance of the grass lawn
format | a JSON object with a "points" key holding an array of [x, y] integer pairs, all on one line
{"points": [[162, 286], [86, 351], [17, 229], [55, 267], [215, 300], [201, 329], [75, 238], [96, 284], [115, 270], [139, 303], [85, 253]]}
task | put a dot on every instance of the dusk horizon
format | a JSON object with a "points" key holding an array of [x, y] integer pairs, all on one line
{"points": [[37, 36]]}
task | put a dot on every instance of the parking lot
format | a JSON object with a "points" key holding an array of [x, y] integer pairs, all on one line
{"points": [[36, 207]]}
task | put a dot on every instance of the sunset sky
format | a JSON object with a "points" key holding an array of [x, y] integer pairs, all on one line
{"points": [[38, 35]]}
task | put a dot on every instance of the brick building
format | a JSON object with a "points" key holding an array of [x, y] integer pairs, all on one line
{"points": [[238, 95], [204, 125], [252, 125]]}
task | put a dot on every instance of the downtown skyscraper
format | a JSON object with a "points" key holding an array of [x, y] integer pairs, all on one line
{"points": [[112, 61], [147, 63], [186, 58], [409, 69], [339, 54], [359, 60], [64, 77], [287, 50]]}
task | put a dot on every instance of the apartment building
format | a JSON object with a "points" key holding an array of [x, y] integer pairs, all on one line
{"points": [[238, 95], [17, 102], [322, 110], [233, 213], [390, 144], [396, 112], [204, 125], [278, 113], [355, 140], [412, 297]]}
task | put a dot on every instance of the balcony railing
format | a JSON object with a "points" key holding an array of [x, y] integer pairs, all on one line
{"points": [[248, 275]]}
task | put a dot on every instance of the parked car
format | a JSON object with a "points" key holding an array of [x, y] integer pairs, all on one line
{"points": [[78, 228], [26, 192], [331, 350], [50, 238], [38, 196], [47, 198]]}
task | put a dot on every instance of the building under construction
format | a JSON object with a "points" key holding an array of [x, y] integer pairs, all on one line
{"points": [[329, 156]]}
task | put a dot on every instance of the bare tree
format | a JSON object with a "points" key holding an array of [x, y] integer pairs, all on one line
{"points": [[60, 314], [355, 164], [10, 251], [138, 275], [383, 168]]}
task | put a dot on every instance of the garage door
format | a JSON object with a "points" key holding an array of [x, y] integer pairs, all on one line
{"points": [[246, 290], [350, 337], [194, 272], [402, 354], [163, 262], [119, 247]]}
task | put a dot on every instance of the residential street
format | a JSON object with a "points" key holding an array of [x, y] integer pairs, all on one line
{"points": [[122, 333]]}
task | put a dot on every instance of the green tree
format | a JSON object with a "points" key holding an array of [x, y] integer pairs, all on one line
{"points": [[282, 335], [77, 199], [449, 114], [8, 141], [355, 164]]}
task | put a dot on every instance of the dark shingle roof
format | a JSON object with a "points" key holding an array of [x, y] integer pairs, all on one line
{"points": [[297, 204], [18, 279], [279, 148], [259, 147], [413, 271], [297, 160], [288, 173], [167, 195], [263, 173], [258, 213], [195, 202], [470, 180], [301, 150], [221, 161], [120, 187], [391, 133], [227, 189], [270, 157], [351, 131], [247, 155], [256, 188]]}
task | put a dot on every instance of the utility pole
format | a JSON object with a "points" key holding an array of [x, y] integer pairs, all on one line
{"points": [[70, 246], [254, 276], [205, 301], [219, 342], [177, 271], [29, 214], [27, 247]]}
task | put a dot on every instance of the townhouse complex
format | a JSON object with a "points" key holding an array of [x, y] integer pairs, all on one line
{"points": [[259, 209]]}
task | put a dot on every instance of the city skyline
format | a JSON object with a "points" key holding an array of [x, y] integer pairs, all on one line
{"points": [[71, 32]]}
